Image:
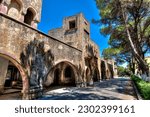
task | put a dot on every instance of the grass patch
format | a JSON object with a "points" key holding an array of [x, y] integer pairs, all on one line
{"points": [[142, 86]]}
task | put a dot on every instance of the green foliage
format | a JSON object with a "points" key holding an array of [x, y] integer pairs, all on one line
{"points": [[127, 23], [109, 52], [143, 87], [123, 71]]}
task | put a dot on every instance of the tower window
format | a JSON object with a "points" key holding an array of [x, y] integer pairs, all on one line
{"points": [[28, 17], [72, 24]]}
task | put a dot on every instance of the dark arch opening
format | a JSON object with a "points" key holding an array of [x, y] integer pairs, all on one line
{"points": [[28, 18], [11, 80], [63, 74], [68, 72], [69, 76]]}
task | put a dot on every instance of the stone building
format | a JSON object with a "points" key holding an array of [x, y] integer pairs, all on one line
{"points": [[108, 69], [31, 61], [76, 32]]}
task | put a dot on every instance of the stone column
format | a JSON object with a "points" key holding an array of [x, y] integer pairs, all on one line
{"points": [[3, 73], [99, 68], [62, 77]]}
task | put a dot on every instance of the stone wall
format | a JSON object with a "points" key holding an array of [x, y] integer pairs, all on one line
{"points": [[108, 69], [57, 33], [18, 9], [76, 32], [67, 49], [16, 38]]}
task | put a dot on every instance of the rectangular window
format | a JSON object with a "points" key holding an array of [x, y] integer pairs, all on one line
{"points": [[72, 24]]}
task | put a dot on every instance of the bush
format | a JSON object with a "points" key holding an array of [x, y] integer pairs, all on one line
{"points": [[142, 86]]}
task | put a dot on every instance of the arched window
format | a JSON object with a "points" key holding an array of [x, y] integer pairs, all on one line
{"points": [[68, 72], [14, 9], [28, 18]]}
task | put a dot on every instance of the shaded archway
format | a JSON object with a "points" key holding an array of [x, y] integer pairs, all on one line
{"points": [[28, 18], [62, 74], [69, 76], [12, 78]]}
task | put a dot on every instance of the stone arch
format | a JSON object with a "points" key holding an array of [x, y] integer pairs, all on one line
{"points": [[15, 8], [63, 79], [30, 16], [25, 83]]}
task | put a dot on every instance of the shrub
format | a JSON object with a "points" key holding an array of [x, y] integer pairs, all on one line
{"points": [[142, 86]]}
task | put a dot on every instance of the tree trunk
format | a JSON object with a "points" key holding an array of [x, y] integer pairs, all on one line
{"points": [[140, 60]]}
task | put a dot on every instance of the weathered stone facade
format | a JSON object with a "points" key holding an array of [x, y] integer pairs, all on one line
{"points": [[27, 11], [76, 32], [108, 69], [66, 56]]}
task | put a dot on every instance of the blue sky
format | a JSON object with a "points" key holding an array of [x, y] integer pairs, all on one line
{"points": [[53, 12]]}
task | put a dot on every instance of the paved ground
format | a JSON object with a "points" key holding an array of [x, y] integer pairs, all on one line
{"points": [[115, 89]]}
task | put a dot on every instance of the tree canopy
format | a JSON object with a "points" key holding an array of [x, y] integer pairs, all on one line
{"points": [[127, 22]]}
